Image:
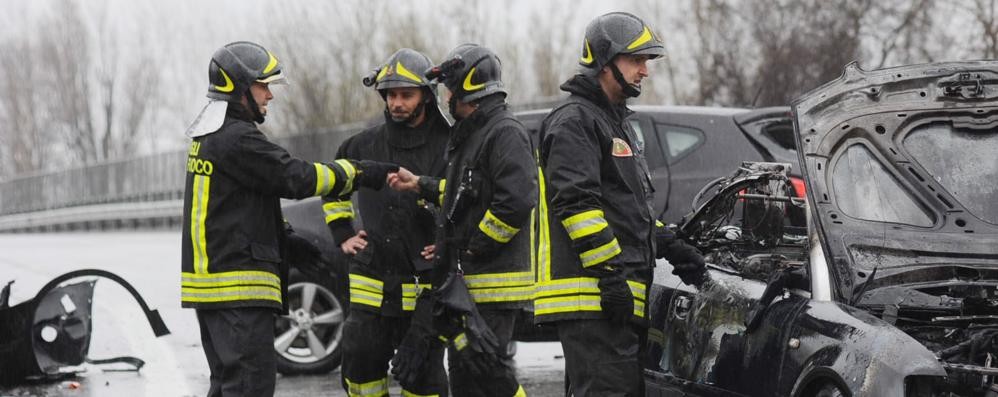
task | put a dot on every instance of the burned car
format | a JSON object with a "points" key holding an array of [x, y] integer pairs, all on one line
{"points": [[891, 290]]}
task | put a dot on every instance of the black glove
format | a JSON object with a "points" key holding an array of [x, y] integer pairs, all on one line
{"points": [[684, 258], [301, 252], [413, 351], [664, 237], [476, 344], [616, 298], [372, 174]]}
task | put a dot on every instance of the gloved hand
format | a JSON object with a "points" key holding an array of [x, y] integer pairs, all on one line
{"points": [[616, 298], [413, 351], [685, 258], [664, 237], [301, 252], [373, 174], [476, 344]]}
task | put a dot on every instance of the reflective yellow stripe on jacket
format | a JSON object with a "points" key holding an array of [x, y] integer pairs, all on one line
{"points": [[376, 388], [230, 286], [496, 229], [587, 224], [501, 287], [336, 210], [579, 294], [366, 291], [409, 293], [199, 212]]}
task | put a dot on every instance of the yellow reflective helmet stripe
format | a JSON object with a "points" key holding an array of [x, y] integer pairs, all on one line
{"points": [[199, 213], [587, 58], [520, 392], [377, 388], [402, 71], [382, 73], [270, 64], [643, 38], [600, 254], [495, 228], [467, 82], [228, 87]]}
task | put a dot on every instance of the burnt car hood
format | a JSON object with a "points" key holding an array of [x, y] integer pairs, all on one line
{"points": [[901, 174]]}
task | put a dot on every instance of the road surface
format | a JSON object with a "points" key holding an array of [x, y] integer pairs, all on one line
{"points": [[175, 364]]}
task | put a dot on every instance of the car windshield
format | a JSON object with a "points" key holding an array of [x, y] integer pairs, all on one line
{"points": [[961, 160]]}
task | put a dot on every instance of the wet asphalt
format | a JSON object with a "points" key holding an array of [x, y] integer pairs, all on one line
{"points": [[175, 364]]}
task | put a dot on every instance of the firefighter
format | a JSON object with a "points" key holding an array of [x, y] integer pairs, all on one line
{"points": [[597, 234], [486, 207], [388, 265], [236, 245]]}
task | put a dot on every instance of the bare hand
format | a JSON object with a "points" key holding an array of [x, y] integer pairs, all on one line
{"points": [[429, 252], [355, 243], [404, 181]]}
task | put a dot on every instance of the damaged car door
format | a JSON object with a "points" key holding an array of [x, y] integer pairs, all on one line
{"points": [[719, 331]]}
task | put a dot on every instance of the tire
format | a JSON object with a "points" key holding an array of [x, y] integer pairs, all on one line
{"points": [[308, 339], [825, 389]]}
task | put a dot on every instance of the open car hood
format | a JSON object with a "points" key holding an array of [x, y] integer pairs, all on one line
{"points": [[901, 174]]}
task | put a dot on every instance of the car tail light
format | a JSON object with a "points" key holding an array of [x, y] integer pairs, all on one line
{"points": [[800, 189]]}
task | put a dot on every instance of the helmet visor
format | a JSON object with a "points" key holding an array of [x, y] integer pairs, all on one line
{"points": [[276, 78]]}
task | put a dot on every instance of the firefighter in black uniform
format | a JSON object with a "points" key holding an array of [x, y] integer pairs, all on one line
{"points": [[597, 234], [236, 245], [487, 204], [388, 265]]}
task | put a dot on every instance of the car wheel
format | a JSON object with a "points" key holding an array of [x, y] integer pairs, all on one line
{"points": [[307, 339], [826, 390]]}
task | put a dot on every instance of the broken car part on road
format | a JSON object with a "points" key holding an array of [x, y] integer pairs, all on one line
{"points": [[47, 336]]}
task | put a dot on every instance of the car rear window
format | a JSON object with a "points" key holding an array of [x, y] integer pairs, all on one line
{"points": [[678, 141], [864, 189], [963, 161]]}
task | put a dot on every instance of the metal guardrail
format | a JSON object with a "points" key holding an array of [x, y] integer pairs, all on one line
{"points": [[140, 192]]}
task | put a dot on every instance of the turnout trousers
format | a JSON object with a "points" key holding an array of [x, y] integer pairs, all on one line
{"points": [[239, 346], [602, 358], [369, 342], [499, 384]]}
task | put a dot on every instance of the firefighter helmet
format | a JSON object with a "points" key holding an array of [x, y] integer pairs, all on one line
{"points": [[470, 72], [613, 34]]}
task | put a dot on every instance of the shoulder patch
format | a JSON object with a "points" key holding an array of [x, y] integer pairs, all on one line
{"points": [[621, 148]]}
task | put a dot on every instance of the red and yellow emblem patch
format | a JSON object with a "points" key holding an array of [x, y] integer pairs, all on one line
{"points": [[621, 148]]}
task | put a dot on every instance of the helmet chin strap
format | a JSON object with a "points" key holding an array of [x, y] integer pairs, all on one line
{"points": [[254, 108], [412, 116], [630, 90], [452, 107]]}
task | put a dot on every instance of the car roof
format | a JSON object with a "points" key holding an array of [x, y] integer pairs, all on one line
{"points": [[699, 110]]}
